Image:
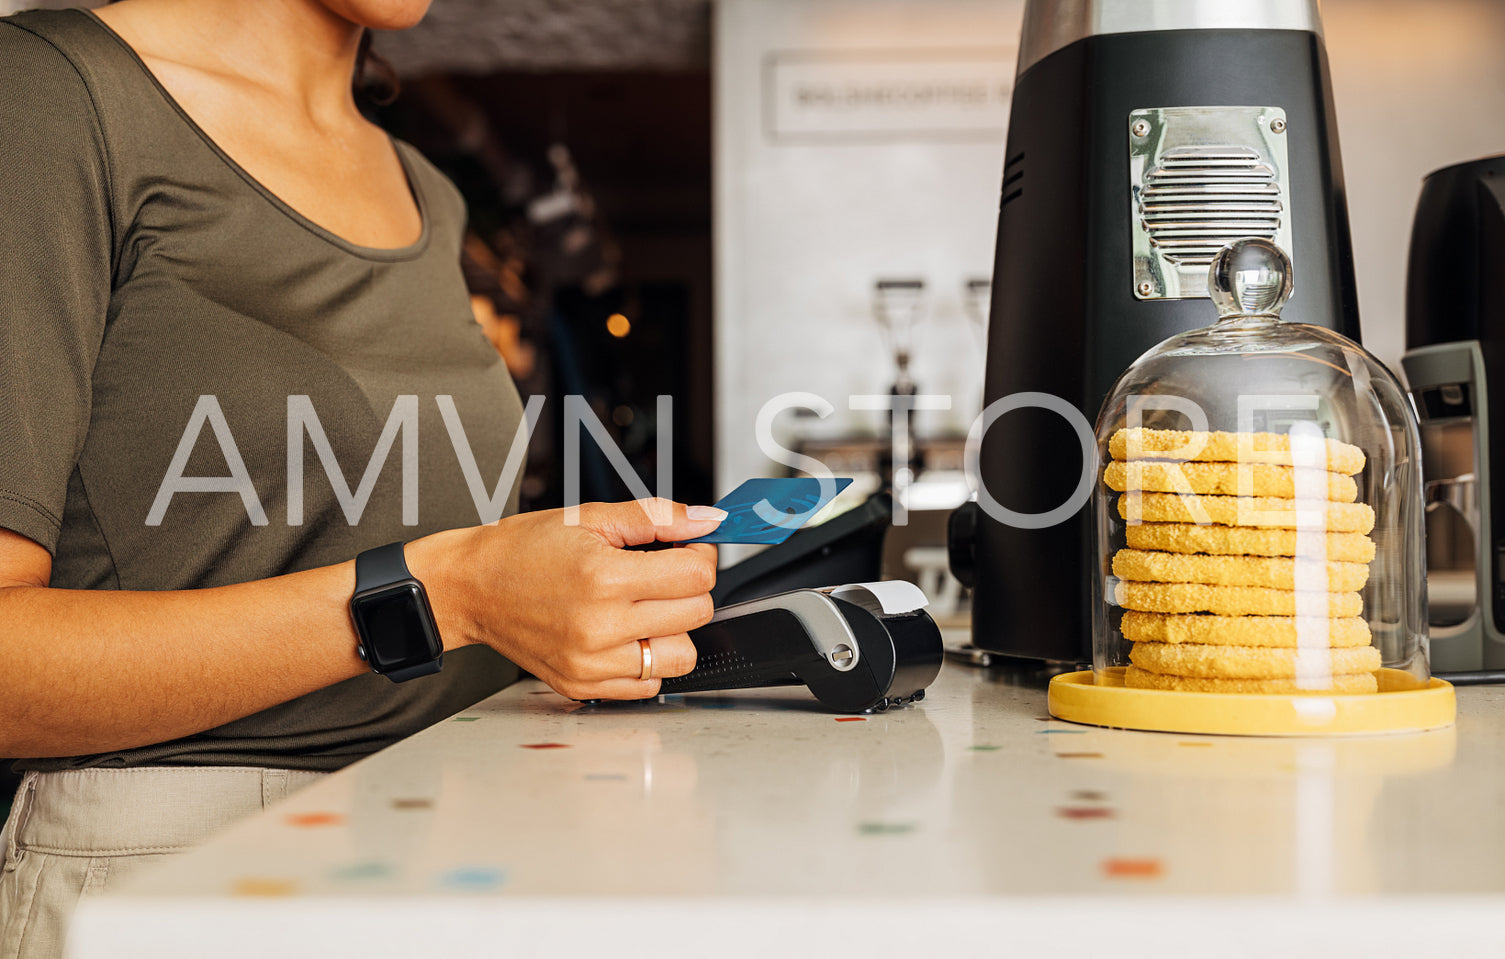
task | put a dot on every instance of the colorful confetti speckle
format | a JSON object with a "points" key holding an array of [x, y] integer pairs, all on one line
{"points": [[363, 870], [1133, 868], [1085, 812], [473, 878], [885, 828], [263, 887], [308, 820]]}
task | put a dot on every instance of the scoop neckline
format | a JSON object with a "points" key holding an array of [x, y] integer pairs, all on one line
{"points": [[376, 253]]}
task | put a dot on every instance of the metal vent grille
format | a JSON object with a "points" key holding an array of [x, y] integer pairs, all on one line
{"points": [[1197, 201], [1203, 177]]}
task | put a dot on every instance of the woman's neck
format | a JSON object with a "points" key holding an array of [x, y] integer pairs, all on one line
{"points": [[297, 50]]}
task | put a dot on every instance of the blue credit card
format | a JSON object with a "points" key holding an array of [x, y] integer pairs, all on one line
{"points": [[768, 511]]}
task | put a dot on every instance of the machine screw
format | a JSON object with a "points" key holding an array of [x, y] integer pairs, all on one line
{"points": [[1146, 288], [1140, 128], [1277, 125]]}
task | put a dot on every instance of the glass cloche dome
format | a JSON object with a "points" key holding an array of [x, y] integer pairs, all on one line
{"points": [[1259, 514]]}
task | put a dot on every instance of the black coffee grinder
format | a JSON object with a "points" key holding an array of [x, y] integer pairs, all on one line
{"points": [[1455, 367], [1143, 138]]}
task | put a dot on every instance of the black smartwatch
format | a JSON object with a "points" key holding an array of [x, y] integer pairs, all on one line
{"points": [[398, 636]]}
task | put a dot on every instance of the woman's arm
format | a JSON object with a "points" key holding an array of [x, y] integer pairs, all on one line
{"points": [[86, 671]]}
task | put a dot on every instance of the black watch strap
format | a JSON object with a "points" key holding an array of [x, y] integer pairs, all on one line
{"points": [[379, 567], [413, 672]]}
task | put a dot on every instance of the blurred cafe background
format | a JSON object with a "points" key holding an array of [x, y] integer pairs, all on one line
{"points": [[728, 201]]}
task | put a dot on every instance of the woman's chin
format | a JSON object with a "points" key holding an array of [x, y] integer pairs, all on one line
{"points": [[380, 14]]}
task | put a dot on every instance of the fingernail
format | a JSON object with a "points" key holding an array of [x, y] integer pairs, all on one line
{"points": [[707, 513]]}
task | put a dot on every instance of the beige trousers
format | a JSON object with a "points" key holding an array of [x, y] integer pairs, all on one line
{"points": [[78, 833]]}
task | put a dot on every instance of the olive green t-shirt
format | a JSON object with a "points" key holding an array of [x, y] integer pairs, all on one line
{"points": [[165, 319]]}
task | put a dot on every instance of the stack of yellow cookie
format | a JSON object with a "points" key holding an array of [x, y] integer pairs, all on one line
{"points": [[1229, 605]]}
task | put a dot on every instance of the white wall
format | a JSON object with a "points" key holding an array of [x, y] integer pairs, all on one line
{"points": [[803, 230], [1418, 84], [805, 226]]}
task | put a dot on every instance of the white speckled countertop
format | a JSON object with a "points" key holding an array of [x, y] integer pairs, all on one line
{"points": [[755, 822]]}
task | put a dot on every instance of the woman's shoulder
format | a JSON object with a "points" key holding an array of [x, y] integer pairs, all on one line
{"points": [[50, 40], [47, 56], [43, 73], [26, 44]]}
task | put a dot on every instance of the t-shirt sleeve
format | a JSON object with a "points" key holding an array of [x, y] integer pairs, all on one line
{"points": [[55, 265]]}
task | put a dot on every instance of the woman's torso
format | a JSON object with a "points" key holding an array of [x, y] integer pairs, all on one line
{"points": [[234, 321]]}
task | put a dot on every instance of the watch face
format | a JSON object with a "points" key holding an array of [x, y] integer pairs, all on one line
{"points": [[396, 627]]}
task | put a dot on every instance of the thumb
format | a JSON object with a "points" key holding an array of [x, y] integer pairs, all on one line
{"points": [[647, 520]]}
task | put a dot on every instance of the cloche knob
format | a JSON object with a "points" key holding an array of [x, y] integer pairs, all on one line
{"points": [[1249, 277]]}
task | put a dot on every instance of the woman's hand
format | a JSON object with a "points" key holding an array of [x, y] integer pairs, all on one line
{"points": [[567, 603]]}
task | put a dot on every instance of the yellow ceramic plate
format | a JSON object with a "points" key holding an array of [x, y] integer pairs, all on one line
{"points": [[1401, 705]]}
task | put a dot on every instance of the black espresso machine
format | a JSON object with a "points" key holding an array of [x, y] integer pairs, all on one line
{"points": [[1143, 137], [1455, 367]]}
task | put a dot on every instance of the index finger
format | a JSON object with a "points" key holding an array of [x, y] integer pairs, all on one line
{"points": [[650, 520]]}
